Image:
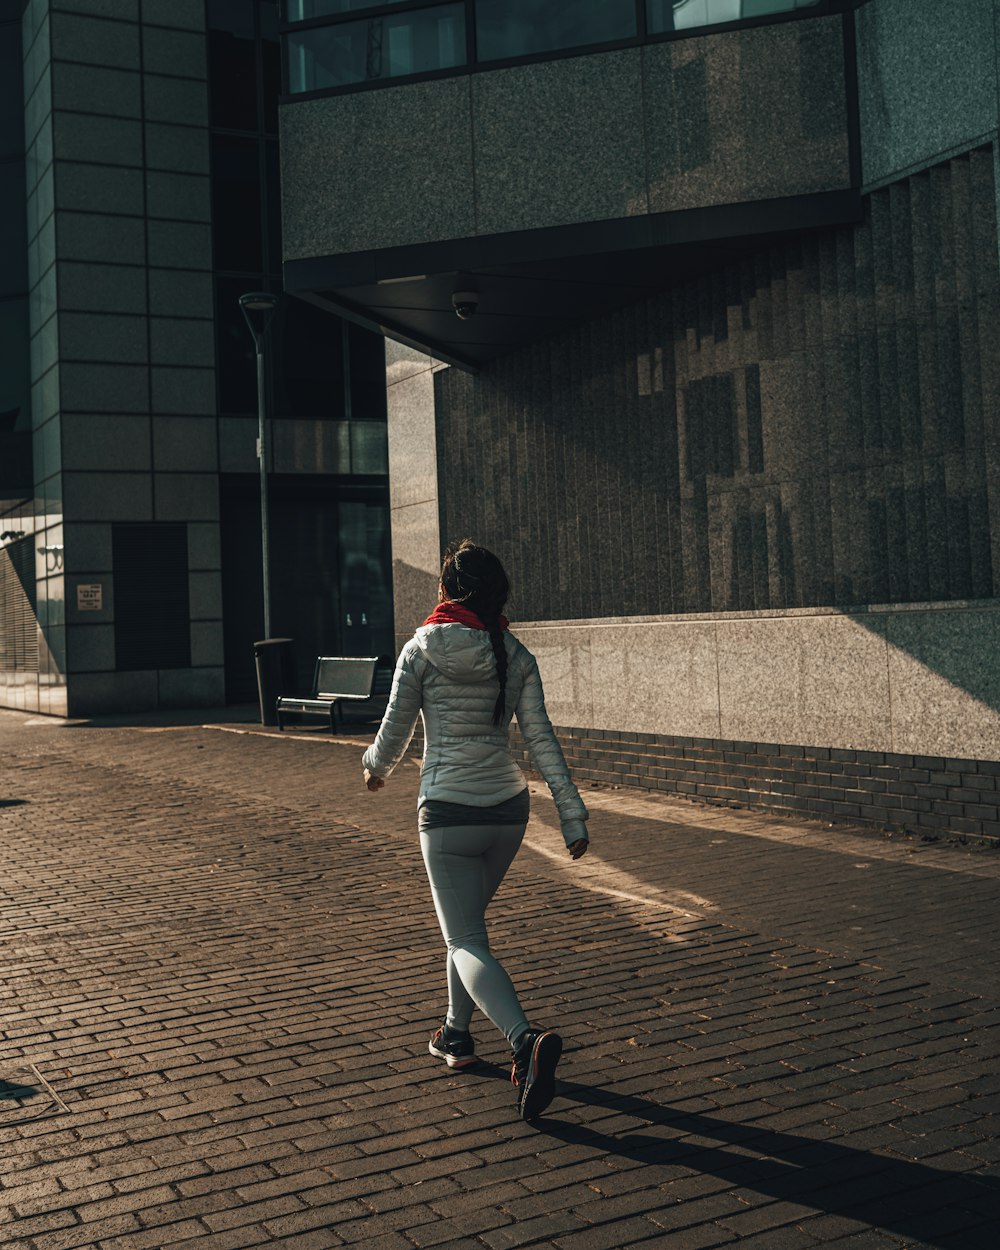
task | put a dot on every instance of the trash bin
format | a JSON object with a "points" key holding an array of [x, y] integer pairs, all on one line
{"points": [[275, 676]]}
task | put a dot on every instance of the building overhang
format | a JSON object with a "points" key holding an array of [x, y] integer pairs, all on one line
{"points": [[534, 283]]}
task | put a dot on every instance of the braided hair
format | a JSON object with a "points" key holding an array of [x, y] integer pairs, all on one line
{"points": [[474, 577]]}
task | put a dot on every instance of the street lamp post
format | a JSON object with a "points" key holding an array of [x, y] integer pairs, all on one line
{"points": [[259, 306]]}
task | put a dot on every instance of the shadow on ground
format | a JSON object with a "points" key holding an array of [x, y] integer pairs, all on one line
{"points": [[901, 1196]]}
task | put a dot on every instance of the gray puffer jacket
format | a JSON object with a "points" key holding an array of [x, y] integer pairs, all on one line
{"points": [[447, 674]]}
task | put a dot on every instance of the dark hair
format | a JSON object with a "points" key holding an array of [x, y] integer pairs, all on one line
{"points": [[475, 578]]}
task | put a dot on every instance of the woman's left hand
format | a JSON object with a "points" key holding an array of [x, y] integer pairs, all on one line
{"points": [[372, 782], [579, 848]]}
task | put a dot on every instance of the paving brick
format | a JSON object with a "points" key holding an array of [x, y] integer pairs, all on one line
{"points": [[234, 976]]}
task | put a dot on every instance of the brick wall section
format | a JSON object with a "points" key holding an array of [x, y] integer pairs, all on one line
{"points": [[919, 793]]}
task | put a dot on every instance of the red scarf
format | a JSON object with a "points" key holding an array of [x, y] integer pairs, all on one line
{"points": [[449, 613]]}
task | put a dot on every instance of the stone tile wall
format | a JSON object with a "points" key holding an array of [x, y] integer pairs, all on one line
{"points": [[122, 356], [723, 118], [816, 425]]}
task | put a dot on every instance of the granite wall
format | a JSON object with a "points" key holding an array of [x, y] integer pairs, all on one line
{"points": [[721, 118], [927, 81], [921, 680], [413, 497], [123, 390], [815, 426]]}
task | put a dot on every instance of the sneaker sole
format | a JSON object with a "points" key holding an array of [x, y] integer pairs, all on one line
{"points": [[540, 1085], [450, 1060]]}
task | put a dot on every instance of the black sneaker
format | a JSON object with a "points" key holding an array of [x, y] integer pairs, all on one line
{"points": [[457, 1049], [534, 1071]]}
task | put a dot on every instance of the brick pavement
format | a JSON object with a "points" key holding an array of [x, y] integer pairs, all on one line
{"points": [[220, 952]]}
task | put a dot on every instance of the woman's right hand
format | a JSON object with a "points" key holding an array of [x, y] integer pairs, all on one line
{"points": [[579, 847], [372, 782]]}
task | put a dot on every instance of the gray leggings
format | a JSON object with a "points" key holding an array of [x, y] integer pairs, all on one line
{"points": [[465, 865]]}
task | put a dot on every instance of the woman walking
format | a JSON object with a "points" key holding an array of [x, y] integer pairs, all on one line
{"points": [[466, 675]]}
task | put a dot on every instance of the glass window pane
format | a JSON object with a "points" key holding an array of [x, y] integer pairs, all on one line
{"points": [[236, 229], [273, 204], [367, 351], [663, 15], [307, 352], [378, 47], [270, 73], [11, 94], [518, 27], [15, 413], [302, 10], [236, 372], [369, 447], [232, 64], [13, 231]]}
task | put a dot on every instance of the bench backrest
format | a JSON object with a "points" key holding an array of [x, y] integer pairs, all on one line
{"points": [[344, 675]]}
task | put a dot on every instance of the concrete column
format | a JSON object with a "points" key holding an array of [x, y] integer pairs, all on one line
{"points": [[413, 495]]}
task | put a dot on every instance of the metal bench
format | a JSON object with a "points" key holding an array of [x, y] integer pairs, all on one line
{"points": [[337, 678]]}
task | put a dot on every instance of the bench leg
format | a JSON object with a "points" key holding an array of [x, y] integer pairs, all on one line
{"points": [[333, 717], [277, 713]]}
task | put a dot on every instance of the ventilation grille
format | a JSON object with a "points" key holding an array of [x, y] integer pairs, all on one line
{"points": [[152, 611], [18, 623]]}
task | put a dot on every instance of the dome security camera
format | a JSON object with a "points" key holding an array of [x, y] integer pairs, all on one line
{"points": [[465, 304]]}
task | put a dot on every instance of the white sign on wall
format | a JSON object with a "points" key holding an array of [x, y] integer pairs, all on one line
{"points": [[90, 597]]}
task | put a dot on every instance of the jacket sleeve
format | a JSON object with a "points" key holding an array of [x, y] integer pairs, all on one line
{"points": [[400, 717], [546, 755]]}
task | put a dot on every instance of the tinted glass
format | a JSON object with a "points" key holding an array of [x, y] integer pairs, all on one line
{"points": [[270, 73], [272, 190], [236, 374], [367, 351], [232, 64], [378, 47], [301, 10], [308, 356], [369, 447], [11, 95], [664, 15], [236, 226], [518, 27], [15, 413], [13, 231]]}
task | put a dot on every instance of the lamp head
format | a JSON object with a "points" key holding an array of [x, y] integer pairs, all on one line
{"points": [[258, 301], [258, 307]]}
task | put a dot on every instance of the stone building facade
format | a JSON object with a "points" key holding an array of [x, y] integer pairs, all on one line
{"points": [[141, 136], [728, 407]]}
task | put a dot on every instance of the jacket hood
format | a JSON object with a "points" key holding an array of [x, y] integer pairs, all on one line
{"points": [[461, 653]]}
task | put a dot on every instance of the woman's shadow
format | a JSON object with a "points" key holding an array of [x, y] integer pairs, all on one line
{"points": [[909, 1198]]}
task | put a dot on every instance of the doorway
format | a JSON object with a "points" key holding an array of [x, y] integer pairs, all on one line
{"points": [[331, 579]]}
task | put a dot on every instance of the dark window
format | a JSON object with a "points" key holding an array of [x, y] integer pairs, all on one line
{"points": [[236, 371], [309, 365], [11, 96], [378, 47], [152, 616], [272, 189], [232, 54], [236, 227], [15, 384], [13, 228], [302, 10], [507, 28], [270, 66], [367, 356]]}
